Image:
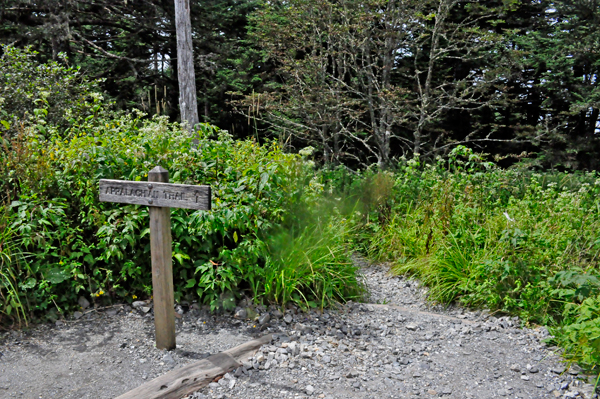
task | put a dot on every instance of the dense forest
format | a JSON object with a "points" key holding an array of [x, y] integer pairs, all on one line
{"points": [[455, 141], [363, 82]]}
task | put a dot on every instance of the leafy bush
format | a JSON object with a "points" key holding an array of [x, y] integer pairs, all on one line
{"points": [[580, 332], [80, 246], [53, 93]]}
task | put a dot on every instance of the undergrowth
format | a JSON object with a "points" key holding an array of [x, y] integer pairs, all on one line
{"points": [[512, 241], [78, 246]]}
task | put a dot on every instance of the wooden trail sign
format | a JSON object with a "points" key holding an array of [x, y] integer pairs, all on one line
{"points": [[160, 196]]}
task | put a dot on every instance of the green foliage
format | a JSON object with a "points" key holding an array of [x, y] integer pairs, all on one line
{"points": [[11, 305], [52, 93], [80, 246], [509, 240], [311, 265], [580, 332]]}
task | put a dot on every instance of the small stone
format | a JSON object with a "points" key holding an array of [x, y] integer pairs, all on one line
{"points": [[502, 392], [84, 303], [241, 314], [587, 391], [432, 392], [564, 386], [264, 319], [59, 323], [309, 390], [558, 369], [352, 374], [326, 359], [293, 349], [571, 395], [145, 309], [411, 327], [168, 360], [287, 318], [138, 304], [447, 391], [574, 369], [77, 315], [525, 377], [277, 314], [515, 367]]}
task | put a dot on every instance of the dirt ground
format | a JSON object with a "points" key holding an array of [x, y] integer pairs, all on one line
{"points": [[105, 354]]}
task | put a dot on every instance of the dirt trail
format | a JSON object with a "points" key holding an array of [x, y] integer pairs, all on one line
{"points": [[395, 347]]}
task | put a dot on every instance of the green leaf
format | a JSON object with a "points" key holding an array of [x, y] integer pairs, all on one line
{"points": [[29, 283], [235, 237], [56, 275], [180, 257], [191, 283]]}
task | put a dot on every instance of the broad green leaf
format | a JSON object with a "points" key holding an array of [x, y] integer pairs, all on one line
{"points": [[56, 275]]}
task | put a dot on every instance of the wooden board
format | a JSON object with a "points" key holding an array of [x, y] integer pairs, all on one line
{"points": [[188, 379], [155, 194]]}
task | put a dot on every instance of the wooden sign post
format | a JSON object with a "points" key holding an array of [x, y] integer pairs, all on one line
{"points": [[160, 196]]}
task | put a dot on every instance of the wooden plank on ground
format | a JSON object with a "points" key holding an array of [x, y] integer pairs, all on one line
{"points": [[188, 379], [155, 194]]}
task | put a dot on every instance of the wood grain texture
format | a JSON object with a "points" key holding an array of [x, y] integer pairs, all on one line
{"points": [[155, 194], [188, 102], [162, 268], [181, 382]]}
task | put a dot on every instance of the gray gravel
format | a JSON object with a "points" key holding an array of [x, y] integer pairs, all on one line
{"points": [[399, 347], [396, 346]]}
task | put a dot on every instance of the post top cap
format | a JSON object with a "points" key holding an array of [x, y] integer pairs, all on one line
{"points": [[158, 169]]}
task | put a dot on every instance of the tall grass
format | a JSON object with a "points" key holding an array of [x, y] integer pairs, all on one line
{"points": [[310, 264], [11, 306]]}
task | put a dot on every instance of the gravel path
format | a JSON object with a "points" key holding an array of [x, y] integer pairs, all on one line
{"points": [[396, 346]]}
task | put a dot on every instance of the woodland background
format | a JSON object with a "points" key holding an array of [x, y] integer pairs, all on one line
{"points": [[361, 81]]}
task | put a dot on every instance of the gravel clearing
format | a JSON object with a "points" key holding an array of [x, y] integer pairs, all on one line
{"points": [[396, 346]]}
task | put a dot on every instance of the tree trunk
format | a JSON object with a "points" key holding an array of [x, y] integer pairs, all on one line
{"points": [[188, 103]]}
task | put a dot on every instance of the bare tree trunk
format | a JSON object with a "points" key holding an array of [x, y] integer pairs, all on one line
{"points": [[188, 103]]}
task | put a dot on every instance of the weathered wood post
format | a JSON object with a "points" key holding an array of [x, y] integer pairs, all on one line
{"points": [[162, 266], [160, 196]]}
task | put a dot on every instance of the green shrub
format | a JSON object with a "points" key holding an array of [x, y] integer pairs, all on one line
{"points": [[80, 246], [51, 94], [579, 333]]}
